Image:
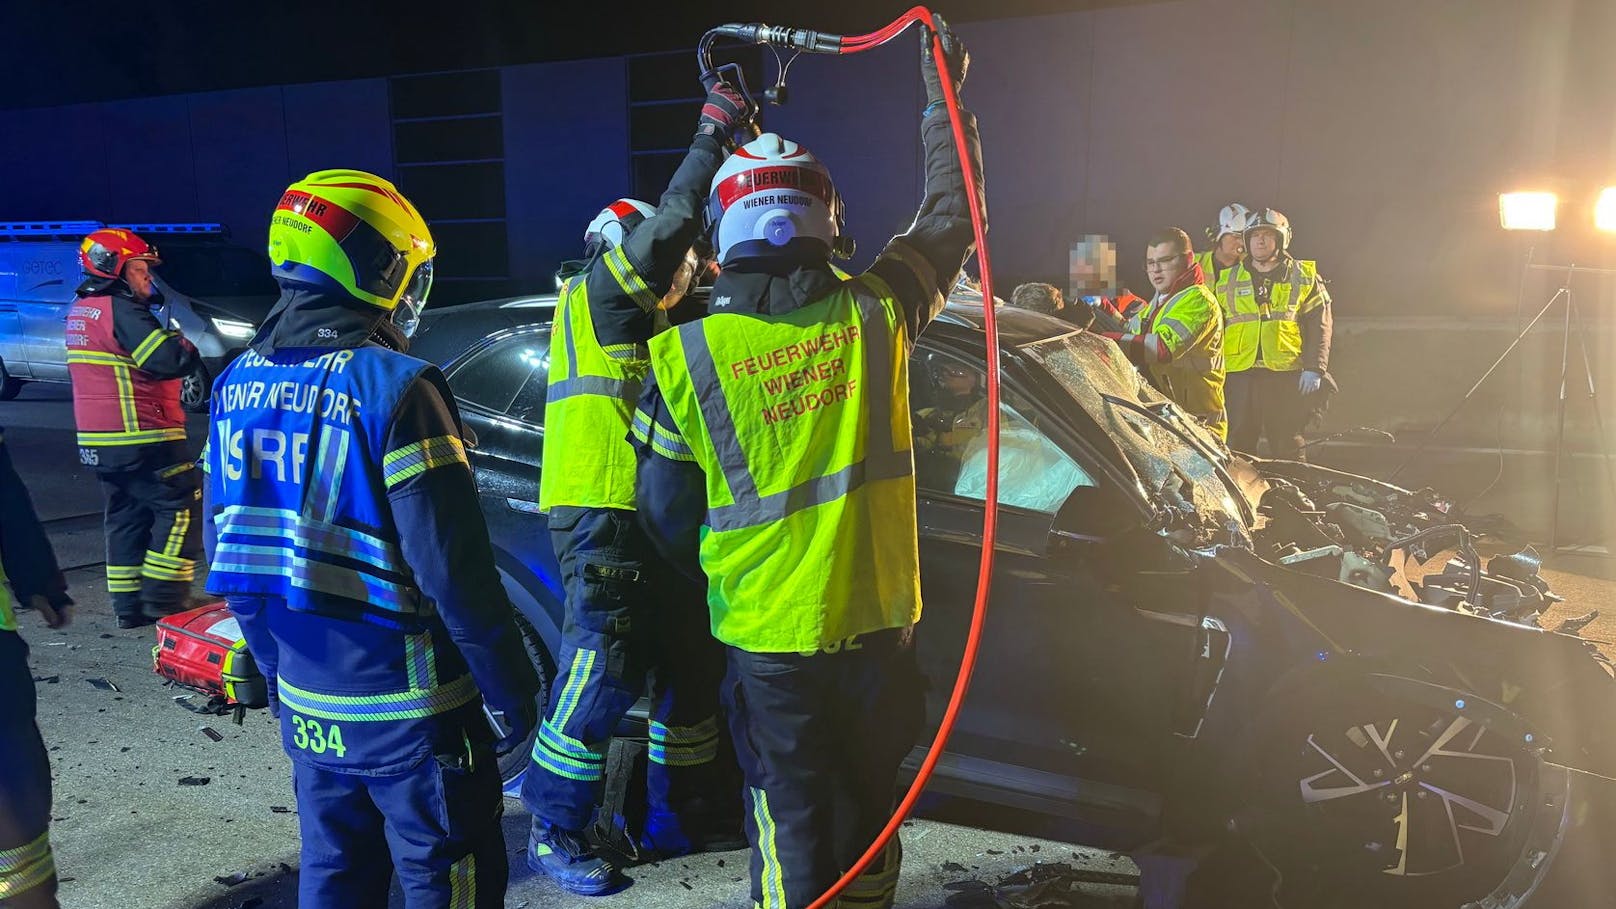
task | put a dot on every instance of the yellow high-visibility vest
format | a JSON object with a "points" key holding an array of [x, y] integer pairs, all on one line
{"points": [[801, 424], [1273, 328]]}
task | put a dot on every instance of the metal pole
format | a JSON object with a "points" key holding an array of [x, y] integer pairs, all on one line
{"points": [[1431, 436], [1559, 432]]}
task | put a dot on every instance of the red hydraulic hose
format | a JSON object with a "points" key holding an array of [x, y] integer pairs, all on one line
{"points": [[984, 580]]}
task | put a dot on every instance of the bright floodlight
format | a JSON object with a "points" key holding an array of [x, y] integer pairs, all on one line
{"points": [[1527, 211], [1605, 210]]}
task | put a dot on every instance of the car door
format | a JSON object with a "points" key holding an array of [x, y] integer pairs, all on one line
{"points": [[1073, 680], [500, 386], [45, 295], [12, 354]]}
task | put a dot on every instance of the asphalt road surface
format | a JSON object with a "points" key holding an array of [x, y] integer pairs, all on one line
{"points": [[153, 812]]}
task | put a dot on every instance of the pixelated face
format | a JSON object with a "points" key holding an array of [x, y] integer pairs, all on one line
{"points": [[1093, 265]]}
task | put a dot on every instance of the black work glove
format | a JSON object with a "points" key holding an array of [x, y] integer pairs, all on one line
{"points": [[725, 111], [956, 57]]}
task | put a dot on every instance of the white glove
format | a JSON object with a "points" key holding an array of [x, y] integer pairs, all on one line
{"points": [[1310, 382]]}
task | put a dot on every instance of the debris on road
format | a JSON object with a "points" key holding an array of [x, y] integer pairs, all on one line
{"points": [[211, 733], [1051, 885], [195, 780], [231, 880], [103, 685], [47, 679]]}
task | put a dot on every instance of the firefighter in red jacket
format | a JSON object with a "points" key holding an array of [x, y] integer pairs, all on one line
{"points": [[126, 370]]}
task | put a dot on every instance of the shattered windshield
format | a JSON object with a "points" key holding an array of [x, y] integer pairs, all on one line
{"points": [[1179, 461]]}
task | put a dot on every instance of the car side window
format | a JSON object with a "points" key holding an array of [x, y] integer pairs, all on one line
{"points": [[948, 401], [509, 376]]}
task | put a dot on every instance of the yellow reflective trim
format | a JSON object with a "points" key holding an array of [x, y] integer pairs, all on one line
{"points": [[178, 469], [463, 883], [772, 879], [147, 347], [176, 534], [98, 358], [416, 458], [629, 279], [126, 398], [25, 867], [137, 437]]}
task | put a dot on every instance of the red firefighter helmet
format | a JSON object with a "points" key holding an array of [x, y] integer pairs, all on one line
{"points": [[104, 253]]}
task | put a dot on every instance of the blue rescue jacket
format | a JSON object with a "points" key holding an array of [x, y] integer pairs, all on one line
{"points": [[344, 531]]}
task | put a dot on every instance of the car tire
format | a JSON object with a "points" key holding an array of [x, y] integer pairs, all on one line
{"points": [[1365, 794], [196, 389], [9, 387], [513, 762]]}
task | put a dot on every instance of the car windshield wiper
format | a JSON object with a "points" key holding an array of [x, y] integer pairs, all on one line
{"points": [[1158, 414]]}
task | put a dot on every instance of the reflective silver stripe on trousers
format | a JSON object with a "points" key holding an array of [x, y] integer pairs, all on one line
{"points": [[882, 461]]}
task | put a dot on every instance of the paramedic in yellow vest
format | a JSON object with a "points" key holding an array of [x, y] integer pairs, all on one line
{"points": [[776, 460], [1276, 342], [1180, 345], [1228, 248], [626, 617], [28, 570]]}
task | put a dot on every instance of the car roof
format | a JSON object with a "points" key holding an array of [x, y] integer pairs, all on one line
{"points": [[1016, 326], [448, 331]]}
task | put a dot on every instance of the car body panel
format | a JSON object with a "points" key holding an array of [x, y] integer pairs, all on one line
{"points": [[38, 278], [1136, 648]]}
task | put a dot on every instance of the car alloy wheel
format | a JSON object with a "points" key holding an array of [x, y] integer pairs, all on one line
{"points": [[195, 389], [1395, 802]]}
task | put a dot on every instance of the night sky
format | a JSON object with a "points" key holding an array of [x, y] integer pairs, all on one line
{"points": [[64, 52]]}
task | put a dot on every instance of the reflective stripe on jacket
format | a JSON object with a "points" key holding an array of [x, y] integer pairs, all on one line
{"points": [[115, 401], [1273, 327], [1190, 326], [8, 615], [800, 423], [588, 461]]}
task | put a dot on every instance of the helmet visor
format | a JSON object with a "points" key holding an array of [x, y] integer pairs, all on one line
{"points": [[407, 314]]}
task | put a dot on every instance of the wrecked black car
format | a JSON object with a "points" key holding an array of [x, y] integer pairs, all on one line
{"points": [[1306, 688]]}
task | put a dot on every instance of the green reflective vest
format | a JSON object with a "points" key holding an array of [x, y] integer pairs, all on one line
{"points": [[1248, 327], [1190, 325], [801, 424], [588, 460]]}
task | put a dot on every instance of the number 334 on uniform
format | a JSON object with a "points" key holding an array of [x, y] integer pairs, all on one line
{"points": [[311, 735]]}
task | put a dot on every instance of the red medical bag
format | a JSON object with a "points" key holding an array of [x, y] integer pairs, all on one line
{"points": [[202, 648]]}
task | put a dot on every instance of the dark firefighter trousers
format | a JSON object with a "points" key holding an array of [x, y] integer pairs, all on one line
{"points": [[436, 824], [1266, 402], [154, 531], [27, 869], [630, 619], [820, 739]]}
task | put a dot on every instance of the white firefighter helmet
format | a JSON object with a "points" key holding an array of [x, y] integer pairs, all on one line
{"points": [[1272, 220], [772, 199], [1232, 219], [614, 223]]}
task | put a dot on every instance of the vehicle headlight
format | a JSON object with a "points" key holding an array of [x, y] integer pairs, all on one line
{"points": [[230, 328]]}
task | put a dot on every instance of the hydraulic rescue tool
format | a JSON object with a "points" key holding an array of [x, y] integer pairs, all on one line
{"points": [[801, 41]]}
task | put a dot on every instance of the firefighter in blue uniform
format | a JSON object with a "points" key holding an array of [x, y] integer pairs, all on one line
{"points": [[627, 616], [344, 531], [27, 868], [775, 458]]}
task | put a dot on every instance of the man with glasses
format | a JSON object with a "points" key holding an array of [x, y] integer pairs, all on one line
{"points": [[1180, 342]]}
